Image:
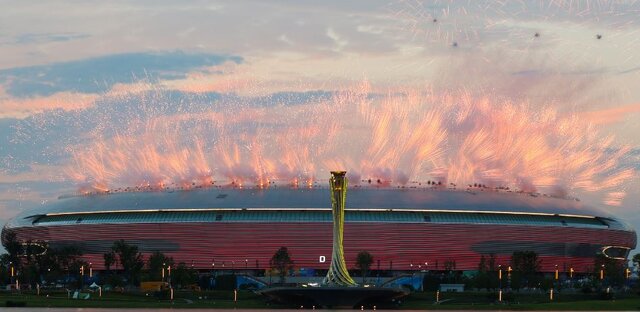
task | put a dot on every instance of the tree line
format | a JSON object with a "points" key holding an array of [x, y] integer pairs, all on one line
{"points": [[35, 262]]}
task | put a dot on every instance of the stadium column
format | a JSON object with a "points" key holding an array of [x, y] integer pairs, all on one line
{"points": [[338, 275]]}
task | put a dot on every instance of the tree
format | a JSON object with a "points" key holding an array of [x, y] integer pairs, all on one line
{"points": [[363, 262], [491, 264], [14, 248], [36, 261], [183, 276], [527, 265], [613, 270], [636, 260], [482, 266], [130, 260], [281, 261], [61, 261], [156, 262], [109, 260], [481, 278], [450, 265]]}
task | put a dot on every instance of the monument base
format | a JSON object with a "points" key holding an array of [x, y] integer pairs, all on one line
{"points": [[334, 297]]}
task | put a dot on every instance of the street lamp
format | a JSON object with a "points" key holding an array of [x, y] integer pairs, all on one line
{"points": [[90, 270], [571, 272], [413, 276], [163, 265], [627, 275], [81, 276], [378, 274], [13, 274], [246, 264], [556, 279], [500, 282]]}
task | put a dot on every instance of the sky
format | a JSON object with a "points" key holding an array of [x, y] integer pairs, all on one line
{"points": [[540, 96]]}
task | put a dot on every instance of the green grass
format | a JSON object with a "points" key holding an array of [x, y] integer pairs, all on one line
{"points": [[139, 300], [485, 301], [249, 300]]}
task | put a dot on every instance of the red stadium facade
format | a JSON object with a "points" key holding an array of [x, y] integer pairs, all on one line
{"points": [[403, 229]]}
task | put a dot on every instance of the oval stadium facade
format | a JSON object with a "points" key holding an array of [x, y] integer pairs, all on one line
{"points": [[403, 229]]}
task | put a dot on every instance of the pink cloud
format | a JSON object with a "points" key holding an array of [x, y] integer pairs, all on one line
{"points": [[610, 115], [24, 107]]}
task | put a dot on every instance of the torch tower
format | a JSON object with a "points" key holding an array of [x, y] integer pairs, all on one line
{"points": [[338, 274]]}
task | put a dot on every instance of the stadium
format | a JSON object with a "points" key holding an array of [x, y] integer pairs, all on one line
{"points": [[404, 229]]}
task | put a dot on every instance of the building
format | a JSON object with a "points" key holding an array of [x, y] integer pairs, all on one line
{"points": [[405, 229]]}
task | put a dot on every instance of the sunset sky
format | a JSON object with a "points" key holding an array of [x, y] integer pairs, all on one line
{"points": [[73, 73]]}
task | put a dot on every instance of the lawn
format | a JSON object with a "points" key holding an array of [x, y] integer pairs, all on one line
{"points": [[248, 300], [139, 300], [486, 301]]}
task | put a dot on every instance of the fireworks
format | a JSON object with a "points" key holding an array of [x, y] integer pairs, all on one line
{"points": [[182, 134], [396, 138]]}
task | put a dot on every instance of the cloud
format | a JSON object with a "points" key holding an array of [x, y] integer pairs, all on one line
{"points": [[23, 107], [31, 38], [611, 115], [339, 42], [53, 125], [99, 74]]}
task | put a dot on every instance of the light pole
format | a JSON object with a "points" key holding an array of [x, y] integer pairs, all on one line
{"points": [[163, 266], [571, 272], [602, 275], [500, 276], [81, 276], [420, 276], [556, 276], [413, 275], [426, 268], [13, 272], [627, 275], [213, 273], [378, 274], [500, 282]]}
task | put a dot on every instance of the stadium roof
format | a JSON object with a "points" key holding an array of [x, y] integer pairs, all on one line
{"points": [[284, 198], [202, 204]]}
